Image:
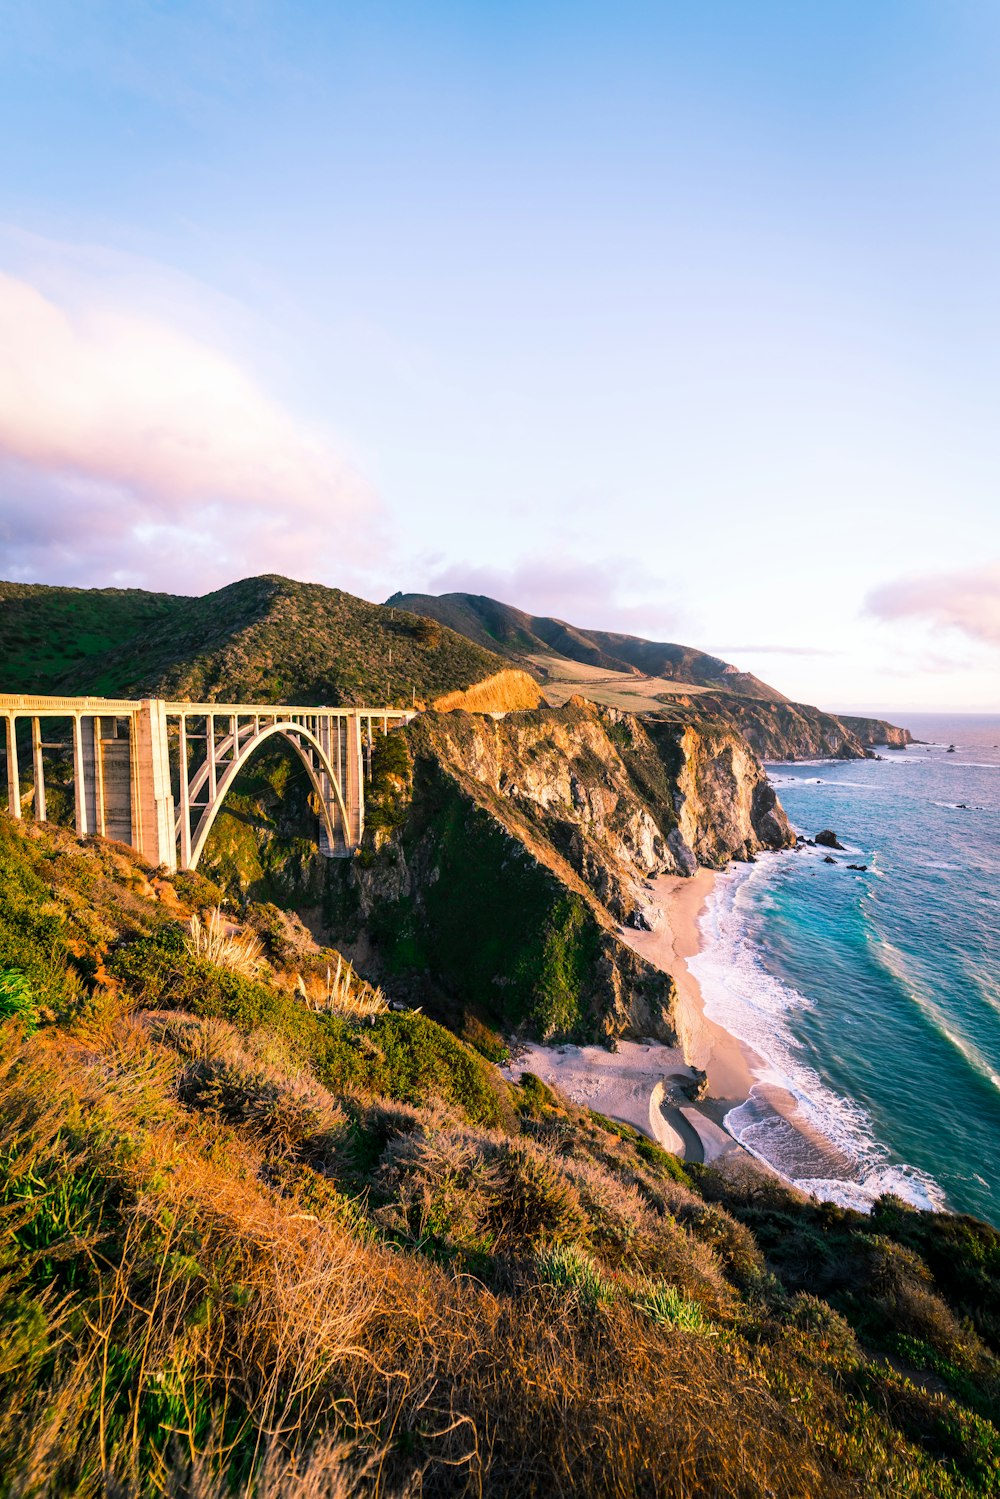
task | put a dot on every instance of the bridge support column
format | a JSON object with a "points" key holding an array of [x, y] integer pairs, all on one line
{"points": [[152, 800], [324, 733], [36, 755], [13, 778], [354, 794]]}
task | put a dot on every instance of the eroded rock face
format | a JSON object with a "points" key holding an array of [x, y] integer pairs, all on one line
{"points": [[527, 841], [726, 807]]}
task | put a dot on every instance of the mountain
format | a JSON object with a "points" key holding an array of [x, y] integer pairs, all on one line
{"points": [[265, 639], [654, 679], [524, 637]]}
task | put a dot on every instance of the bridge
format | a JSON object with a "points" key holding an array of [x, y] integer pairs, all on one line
{"points": [[154, 774]]}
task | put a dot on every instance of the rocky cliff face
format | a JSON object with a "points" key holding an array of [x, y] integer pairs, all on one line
{"points": [[875, 733], [791, 731], [503, 855]]}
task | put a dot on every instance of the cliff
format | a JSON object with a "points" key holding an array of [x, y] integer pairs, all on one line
{"points": [[789, 731], [875, 733], [502, 857]]}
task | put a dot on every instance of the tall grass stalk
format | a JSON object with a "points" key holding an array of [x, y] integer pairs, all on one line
{"points": [[344, 993], [242, 952]]}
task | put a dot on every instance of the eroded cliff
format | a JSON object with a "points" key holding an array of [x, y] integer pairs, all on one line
{"points": [[503, 856]]}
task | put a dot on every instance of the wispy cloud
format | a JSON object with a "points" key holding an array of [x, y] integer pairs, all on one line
{"points": [[967, 600], [613, 594], [775, 650], [133, 452]]}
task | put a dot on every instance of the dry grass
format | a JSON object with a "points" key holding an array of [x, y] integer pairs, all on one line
{"points": [[185, 1327], [342, 992], [214, 939], [506, 692]]}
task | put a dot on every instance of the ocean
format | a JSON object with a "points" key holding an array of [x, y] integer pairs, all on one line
{"points": [[874, 997]]}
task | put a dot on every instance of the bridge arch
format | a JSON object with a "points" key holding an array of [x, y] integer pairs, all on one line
{"points": [[305, 744]]}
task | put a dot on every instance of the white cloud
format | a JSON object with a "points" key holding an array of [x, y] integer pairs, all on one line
{"points": [[967, 601], [130, 450]]}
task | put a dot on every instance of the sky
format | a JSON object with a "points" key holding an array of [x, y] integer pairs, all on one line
{"points": [[681, 319]]}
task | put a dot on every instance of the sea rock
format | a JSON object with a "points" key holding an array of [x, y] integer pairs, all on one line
{"points": [[696, 1086], [860, 867], [830, 859], [828, 839]]}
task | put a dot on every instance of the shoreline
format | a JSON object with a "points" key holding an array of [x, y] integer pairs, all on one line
{"points": [[730, 1065], [740, 1080], [645, 1083]]}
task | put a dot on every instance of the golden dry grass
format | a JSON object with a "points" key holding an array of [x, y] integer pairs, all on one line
{"points": [[506, 692], [214, 938], [204, 1316], [341, 991]]}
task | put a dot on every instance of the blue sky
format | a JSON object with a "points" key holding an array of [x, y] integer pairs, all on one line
{"points": [[681, 319]]}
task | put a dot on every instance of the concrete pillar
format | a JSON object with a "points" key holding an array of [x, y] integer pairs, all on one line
{"points": [[354, 791], [152, 803], [39, 769], [325, 736], [185, 796], [115, 782], [13, 779], [210, 752], [83, 784]]}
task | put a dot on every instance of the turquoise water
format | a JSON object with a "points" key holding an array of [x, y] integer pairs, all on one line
{"points": [[875, 997]]}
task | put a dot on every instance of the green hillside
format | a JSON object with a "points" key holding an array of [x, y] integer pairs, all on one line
{"points": [[265, 639], [626, 671], [49, 636]]}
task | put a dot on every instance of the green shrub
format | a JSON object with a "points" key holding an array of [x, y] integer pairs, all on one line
{"points": [[568, 1268], [17, 999], [666, 1305], [405, 1056]]}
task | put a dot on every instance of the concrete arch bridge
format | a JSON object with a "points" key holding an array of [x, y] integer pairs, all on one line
{"points": [[154, 773]]}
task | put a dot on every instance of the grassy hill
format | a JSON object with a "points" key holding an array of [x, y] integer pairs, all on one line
{"points": [[265, 639], [268, 1237], [523, 636]]}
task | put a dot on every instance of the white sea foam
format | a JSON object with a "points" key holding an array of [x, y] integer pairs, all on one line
{"points": [[894, 961], [751, 1003]]}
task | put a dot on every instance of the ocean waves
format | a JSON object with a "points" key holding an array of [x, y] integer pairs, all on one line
{"points": [[821, 1140]]}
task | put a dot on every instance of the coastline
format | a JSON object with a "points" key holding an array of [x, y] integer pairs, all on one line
{"points": [[745, 1093], [646, 1083], [730, 1065], [747, 1110]]}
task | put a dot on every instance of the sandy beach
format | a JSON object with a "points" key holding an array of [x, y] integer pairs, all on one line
{"points": [[644, 1083], [729, 1065]]}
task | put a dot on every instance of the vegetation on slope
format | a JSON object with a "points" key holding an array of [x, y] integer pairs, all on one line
{"points": [[520, 636], [245, 1249], [774, 727], [51, 636], [265, 639]]}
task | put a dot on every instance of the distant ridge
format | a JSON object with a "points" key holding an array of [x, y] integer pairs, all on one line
{"points": [[653, 678], [521, 636]]}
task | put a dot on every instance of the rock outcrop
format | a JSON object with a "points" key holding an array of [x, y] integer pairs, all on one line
{"points": [[505, 854]]}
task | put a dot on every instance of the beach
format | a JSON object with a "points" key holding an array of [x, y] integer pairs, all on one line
{"points": [[645, 1083], [648, 1085]]}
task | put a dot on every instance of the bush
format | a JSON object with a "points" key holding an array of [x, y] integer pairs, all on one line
{"points": [[17, 1000], [568, 1268], [666, 1305]]}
